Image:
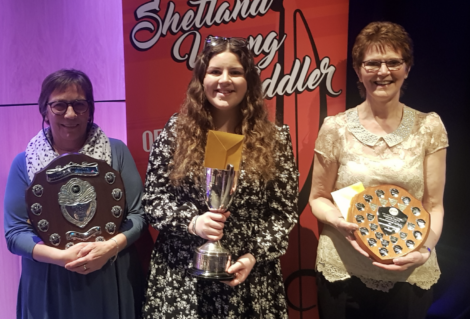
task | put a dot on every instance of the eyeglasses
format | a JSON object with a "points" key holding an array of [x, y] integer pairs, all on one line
{"points": [[375, 65], [213, 41], [60, 107]]}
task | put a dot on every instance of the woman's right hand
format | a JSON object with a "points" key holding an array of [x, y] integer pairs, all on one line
{"points": [[210, 225], [71, 254], [59, 257], [347, 230]]}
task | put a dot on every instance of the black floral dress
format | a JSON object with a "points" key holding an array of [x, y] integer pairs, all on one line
{"points": [[260, 222]]}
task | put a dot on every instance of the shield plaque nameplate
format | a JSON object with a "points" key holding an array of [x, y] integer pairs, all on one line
{"points": [[76, 198], [392, 223]]}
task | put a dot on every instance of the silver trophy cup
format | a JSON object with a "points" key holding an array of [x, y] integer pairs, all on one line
{"points": [[210, 259]]}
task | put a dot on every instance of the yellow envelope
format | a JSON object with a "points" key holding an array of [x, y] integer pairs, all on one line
{"points": [[343, 196], [222, 149]]}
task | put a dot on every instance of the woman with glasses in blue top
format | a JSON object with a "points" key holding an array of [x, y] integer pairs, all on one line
{"points": [[93, 279], [381, 141], [224, 94]]}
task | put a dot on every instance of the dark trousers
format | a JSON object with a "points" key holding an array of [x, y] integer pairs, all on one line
{"points": [[351, 298]]}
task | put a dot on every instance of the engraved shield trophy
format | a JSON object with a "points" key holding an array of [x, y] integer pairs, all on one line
{"points": [[392, 223], [210, 259], [76, 198]]}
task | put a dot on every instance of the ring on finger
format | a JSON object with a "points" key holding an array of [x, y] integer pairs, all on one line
{"points": [[84, 267]]}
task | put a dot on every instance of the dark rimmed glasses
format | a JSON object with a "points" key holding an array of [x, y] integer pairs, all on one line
{"points": [[375, 65], [214, 40], [60, 107]]}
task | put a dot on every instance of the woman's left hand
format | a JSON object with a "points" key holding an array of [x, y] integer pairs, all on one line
{"points": [[92, 257], [411, 260], [241, 268]]}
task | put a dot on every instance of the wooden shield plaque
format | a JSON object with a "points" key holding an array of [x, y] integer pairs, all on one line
{"points": [[392, 223], [76, 198]]}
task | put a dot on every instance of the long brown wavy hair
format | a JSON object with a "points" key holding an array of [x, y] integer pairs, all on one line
{"points": [[195, 120]]}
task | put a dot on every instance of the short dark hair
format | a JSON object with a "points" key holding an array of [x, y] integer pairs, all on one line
{"points": [[382, 34], [60, 81]]}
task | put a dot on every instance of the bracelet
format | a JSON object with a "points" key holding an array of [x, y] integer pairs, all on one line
{"points": [[194, 225], [429, 249], [113, 259]]}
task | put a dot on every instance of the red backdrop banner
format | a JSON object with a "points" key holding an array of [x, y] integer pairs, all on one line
{"points": [[300, 48]]}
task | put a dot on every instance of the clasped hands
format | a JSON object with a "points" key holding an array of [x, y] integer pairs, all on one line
{"points": [[210, 225], [84, 258], [411, 260]]}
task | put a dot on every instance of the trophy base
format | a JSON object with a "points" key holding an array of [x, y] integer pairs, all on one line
{"points": [[206, 275]]}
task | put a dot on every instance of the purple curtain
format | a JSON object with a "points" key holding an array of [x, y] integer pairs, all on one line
{"points": [[38, 38]]}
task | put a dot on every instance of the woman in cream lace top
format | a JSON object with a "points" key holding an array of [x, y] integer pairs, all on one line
{"points": [[381, 141]]}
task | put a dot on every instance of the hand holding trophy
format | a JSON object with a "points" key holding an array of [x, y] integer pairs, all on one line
{"points": [[222, 162]]}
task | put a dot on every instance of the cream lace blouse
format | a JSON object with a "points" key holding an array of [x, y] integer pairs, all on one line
{"points": [[364, 157]]}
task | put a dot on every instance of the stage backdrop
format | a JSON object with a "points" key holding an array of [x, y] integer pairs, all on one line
{"points": [[300, 48]]}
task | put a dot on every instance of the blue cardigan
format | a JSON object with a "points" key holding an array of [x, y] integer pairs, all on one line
{"points": [[50, 291]]}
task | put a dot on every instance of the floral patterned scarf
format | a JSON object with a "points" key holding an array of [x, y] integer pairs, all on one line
{"points": [[39, 152]]}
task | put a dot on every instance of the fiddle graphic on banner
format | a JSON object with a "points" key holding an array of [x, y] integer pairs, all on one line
{"points": [[278, 84], [300, 50]]}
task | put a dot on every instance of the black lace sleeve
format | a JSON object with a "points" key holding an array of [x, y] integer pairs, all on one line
{"points": [[272, 234], [164, 208]]}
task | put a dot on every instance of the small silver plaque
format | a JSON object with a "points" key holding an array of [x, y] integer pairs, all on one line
{"points": [[71, 169], [36, 209], [43, 225], [410, 244], [421, 223], [92, 232], [406, 200], [111, 228], [380, 193], [402, 207], [116, 211], [55, 239], [117, 194], [383, 202], [368, 198], [383, 252], [38, 190], [417, 235], [110, 177], [372, 242], [360, 206], [416, 211], [359, 218]]}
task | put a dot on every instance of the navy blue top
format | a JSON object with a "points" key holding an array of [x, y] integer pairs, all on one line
{"points": [[49, 291]]}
